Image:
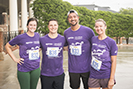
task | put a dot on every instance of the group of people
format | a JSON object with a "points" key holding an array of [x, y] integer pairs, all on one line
{"points": [[90, 58]]}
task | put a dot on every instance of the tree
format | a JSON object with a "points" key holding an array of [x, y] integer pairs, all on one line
{"points": [[128, 11], [129, 20], [118, 24], [44, 10]]}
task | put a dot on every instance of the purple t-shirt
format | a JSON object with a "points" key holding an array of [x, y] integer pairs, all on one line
{"points": [[52, 51], [28, 50], [102, 50], [79, 49]]}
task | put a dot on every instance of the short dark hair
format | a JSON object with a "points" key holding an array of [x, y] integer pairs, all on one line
{"points": [[52, 20], [31, 19]]}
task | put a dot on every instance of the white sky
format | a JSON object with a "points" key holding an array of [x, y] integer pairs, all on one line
{"points": [[113, 4]]}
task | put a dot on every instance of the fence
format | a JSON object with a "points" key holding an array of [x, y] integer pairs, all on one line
{"points": [[7, 36]]}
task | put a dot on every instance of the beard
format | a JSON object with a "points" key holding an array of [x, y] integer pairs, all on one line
{"points": [[73, 24]]}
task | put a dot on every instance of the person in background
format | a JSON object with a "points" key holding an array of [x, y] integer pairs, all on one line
{"points": [[79, 50], [52, 73], [104, 54], [28, 65]]}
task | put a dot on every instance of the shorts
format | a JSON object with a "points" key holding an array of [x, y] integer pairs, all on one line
{"points": [[56, 82], [95, 83], [75, 79]]}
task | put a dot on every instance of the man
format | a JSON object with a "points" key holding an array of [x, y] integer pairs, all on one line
{"points": [[52, 73], [79, 50]]}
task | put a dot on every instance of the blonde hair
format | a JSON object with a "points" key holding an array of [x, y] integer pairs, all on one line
{"points": [[101, 20]]}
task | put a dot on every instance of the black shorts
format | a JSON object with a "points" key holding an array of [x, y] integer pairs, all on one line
{"points": [[75, 80], [56, 82]]}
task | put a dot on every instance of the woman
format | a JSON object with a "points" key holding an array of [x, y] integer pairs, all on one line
{"points": [[28, 64], [52, 73], [104, 54]]}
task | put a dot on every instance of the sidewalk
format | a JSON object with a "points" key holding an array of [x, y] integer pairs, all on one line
{"points": [[8, 73], [124, 71]]}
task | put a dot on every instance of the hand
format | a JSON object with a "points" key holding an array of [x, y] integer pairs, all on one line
{"points": [[65, 48], [110, 83], [20, 61]]}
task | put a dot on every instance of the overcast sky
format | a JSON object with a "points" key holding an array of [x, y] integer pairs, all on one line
{"points": [[113, 4]]}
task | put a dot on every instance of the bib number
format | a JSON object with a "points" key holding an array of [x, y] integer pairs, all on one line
{"points": [[33, 54], [75, 50], [52, 51], [96, 64]]}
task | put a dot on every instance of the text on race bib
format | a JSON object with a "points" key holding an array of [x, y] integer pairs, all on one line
{"points": [[33, 54], [52, 51], [96, 64], [75, 50]]}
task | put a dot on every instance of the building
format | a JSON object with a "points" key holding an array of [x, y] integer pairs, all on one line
{"points": [[11, 11], [96, 8], [13, 18]]}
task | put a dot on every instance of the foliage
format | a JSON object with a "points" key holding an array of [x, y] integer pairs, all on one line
{"points": [[44, 10], [128, 11], [118, 24]]}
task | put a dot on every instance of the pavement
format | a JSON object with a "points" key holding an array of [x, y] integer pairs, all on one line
{"points": [[124, 71], [8, 73]]}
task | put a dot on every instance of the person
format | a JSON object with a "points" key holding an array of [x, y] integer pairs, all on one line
{"points": [[104, 54], [79, 50], [52, 73], [28, 71]]}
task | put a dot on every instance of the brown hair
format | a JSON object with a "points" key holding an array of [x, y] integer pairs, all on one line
{"points": [[101, 20], [52, 20], [31, 19]]}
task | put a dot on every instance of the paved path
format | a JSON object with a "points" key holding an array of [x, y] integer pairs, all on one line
{"points": [[124, 72], [8, 77]]}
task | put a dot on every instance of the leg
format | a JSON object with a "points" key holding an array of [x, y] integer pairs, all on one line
{"points": [[74, 80], [85, 77], [46, 82], [104, 83], [106, 88], [59, 82], [94, 88], [34, 76], [24, 79]]}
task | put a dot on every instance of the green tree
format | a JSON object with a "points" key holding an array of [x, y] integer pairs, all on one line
{"points": [[44, 10], [118, 24], [128, 11], [128, 20]]}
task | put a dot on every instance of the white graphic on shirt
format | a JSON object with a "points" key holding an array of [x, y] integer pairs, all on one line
{"points": [[49, 43], [78, 37], [70, 38], [96, 64], [116, 51], [96, 59], [33, 53], [76, 49], [30, 42], [53, 51], [98, 52]]}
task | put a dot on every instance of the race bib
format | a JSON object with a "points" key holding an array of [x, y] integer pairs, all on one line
{"points": [[33, 54], [52, 51], [75, 50], [96, 64]]}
